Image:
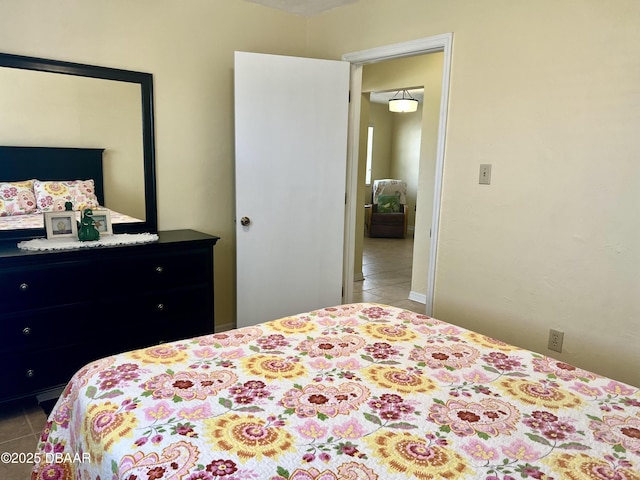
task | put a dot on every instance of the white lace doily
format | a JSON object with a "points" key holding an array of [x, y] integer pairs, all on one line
{"points": [[69, 243]]}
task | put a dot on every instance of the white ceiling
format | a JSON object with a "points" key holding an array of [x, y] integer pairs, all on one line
{"points": [[306, 8]]}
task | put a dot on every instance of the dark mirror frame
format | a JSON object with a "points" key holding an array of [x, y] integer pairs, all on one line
{"points": [[145, 80]]}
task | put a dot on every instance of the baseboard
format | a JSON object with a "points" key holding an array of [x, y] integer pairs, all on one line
{"points": [[51, 394], [418, 297], [224, 327], [48, 399], [358, 277]]}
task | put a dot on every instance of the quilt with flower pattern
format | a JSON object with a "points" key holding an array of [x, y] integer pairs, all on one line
{"points": [[361, 391]]}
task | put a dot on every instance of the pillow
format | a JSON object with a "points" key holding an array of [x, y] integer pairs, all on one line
{"points": [[389, 203], [51, 196], [17, 198]]}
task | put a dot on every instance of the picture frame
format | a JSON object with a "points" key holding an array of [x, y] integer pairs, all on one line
{"points": [[102, 219], [60, 224]]}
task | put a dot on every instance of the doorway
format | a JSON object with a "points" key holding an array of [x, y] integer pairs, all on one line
{"points": [[384, 266], [355, 198]]}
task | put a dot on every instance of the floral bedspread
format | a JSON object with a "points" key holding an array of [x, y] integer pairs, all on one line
{"points": [[360, 391]]}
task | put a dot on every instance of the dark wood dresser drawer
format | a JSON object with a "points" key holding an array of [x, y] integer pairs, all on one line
{"points": [[186, 307], [157, 318], [155, 271], [72, 282], [61, 310], [56, 326], [32, 361], [30, 372], [42, 285]]}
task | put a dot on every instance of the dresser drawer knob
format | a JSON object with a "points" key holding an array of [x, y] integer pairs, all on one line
{"points": [[160, 307], [159, 269], [26, 331], [30, 373], [24, 287]]}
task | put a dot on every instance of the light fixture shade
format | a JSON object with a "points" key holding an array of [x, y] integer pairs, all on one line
{"points": [[404, 104]]}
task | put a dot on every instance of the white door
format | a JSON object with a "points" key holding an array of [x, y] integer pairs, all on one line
{"points": [[291, 145]]}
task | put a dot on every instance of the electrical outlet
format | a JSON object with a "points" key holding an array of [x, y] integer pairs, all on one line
{"points": [[555, 340]]}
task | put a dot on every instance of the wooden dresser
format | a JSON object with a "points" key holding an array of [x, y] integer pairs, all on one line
{"points": [[60, 310]]}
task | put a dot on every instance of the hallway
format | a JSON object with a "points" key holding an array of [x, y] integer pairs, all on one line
{"points": [[386, 266]]}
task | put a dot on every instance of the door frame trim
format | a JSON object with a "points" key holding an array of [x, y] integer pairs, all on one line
{"points": [[438, 43]]}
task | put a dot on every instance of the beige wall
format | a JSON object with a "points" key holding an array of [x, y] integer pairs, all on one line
{"points": [[188, 47], [548, 92], [405, 156]]}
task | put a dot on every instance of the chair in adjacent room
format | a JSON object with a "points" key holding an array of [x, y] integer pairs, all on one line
{"points": [[388, 212]]}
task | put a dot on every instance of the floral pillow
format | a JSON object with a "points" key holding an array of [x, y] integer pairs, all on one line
{"points": [[389, 203], [52, 196], [17, 198]]}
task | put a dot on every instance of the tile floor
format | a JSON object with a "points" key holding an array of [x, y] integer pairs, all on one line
{"points": [[387, 271], [386, 266], [21, 423]]}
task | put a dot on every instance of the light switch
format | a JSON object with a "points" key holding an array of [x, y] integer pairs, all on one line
{"points": [[485, 174]]}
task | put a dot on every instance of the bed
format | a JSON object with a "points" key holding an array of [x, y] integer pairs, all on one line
{"points": [[36, 220], [359, 391], [28, 174]]}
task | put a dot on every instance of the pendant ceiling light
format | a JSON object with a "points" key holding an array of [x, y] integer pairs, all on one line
{"points": [[404, 103]]}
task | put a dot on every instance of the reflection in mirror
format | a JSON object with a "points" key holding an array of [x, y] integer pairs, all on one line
{"points": [[51, 110], [46, 103]]}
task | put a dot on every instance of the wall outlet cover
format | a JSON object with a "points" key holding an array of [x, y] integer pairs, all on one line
{"points": [[555, 340], [485, 174]]}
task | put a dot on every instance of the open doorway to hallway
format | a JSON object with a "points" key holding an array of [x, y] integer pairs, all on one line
{"points": [[392, 152], [402, 147], [427, 229]]}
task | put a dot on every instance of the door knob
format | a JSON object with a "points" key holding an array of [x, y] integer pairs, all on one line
{"points": [[245, 221]]}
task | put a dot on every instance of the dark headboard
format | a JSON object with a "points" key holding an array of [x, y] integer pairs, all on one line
{"points": [[53, 163]]}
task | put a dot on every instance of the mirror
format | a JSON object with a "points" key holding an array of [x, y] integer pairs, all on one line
{"points": [[50, 103]]}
